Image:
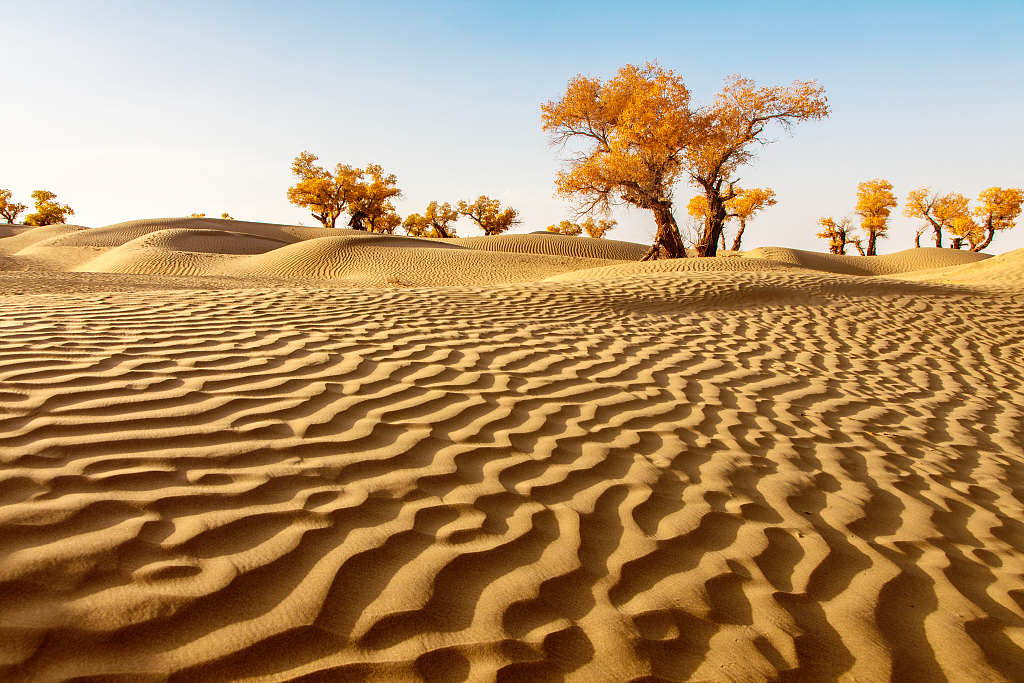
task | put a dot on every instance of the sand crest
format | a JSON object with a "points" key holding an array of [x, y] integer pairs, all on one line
{"points": [[752, 469]]}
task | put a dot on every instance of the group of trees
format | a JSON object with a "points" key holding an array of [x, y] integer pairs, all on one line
{"points": [[366, 194], [997, 209], [637, 136], [223, 216], [594, 228], [48, 210], [741, 207]]}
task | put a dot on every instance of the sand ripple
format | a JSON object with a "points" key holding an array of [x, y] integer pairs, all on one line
{"points": [[724, 476]]}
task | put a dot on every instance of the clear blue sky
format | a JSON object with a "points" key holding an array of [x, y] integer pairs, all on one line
{"points": [[149, 109]]}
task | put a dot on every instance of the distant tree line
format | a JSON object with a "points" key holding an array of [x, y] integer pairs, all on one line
{"points": [[949, 214], [48, 210], [366, 195]]}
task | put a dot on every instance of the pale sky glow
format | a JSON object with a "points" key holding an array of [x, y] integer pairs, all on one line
{"points": [[142, 110]]}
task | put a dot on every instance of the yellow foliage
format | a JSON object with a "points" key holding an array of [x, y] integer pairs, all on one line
{"points": [[371, 207], [727, 131], [741, 206], [325, 195], [487, 213], [998, 211], [875, 201], [566, 227], [196, 215], [9, 209], [434, 222], [642, 137], [837, 233], [940, 210], [48, 211], [594, 228], [636, 126], [226, 217]]}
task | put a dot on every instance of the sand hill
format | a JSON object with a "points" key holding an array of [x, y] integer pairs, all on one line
{"points": [[245, 452]]}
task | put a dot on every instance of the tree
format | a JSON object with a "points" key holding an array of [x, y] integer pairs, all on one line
{"points": [[642, 136], [9, 209], [48, 211], [326, 196], [566, 227], [742, 206], [487, 213], [226, 217], [434, 222], [728, 130], [875, 201], [196, 215], [964, 229], [998, 211], [635, 127], [838, 233], [371, 208], [940, 210], [596, 229]]}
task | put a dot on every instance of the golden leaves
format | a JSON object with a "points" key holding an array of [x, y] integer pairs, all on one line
{"points": [[594, 228], [366, 194], [434, 222], [48, 210], [8, 208], [639, 134], [487, 213]]}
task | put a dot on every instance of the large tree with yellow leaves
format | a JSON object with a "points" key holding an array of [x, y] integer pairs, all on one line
{"points": [[729, 132], [640, 137], [875, 201], [326, 195], [635, 128]]}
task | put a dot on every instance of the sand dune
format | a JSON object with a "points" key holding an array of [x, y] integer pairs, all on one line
{"points": [[907, 261], [557, 245], [746, 470]]}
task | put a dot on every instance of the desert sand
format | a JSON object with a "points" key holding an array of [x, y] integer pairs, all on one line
{"points": [[238, 451]]}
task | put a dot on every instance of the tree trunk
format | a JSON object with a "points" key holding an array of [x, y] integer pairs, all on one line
{"points": [[668, 235], [714, 223], [937, 230], [988, 239], [872, 240], [739, 235]]}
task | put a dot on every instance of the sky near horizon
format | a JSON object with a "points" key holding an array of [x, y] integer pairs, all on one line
{"points": [[142, 109]]}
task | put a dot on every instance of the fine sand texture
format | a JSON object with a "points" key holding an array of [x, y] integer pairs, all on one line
{"points": [[267, 453]]}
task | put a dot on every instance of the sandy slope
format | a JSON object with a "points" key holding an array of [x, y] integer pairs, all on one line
{"points": [[757, 471]]}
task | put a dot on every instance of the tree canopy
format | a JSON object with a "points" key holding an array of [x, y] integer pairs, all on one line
{"points": [[48, 210], [741, 207], [730, 132], [434, 222], [635, 128], [371, 208], [9, 209], [951, 213], [487, 214], [939, 210], [641, 136], [365, 194], [838, 233], [324, 194], [875, 202], [594, 228], [998, 211]]}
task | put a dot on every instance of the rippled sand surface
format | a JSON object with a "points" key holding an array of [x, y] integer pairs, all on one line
{"points": [[771, 466]]}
